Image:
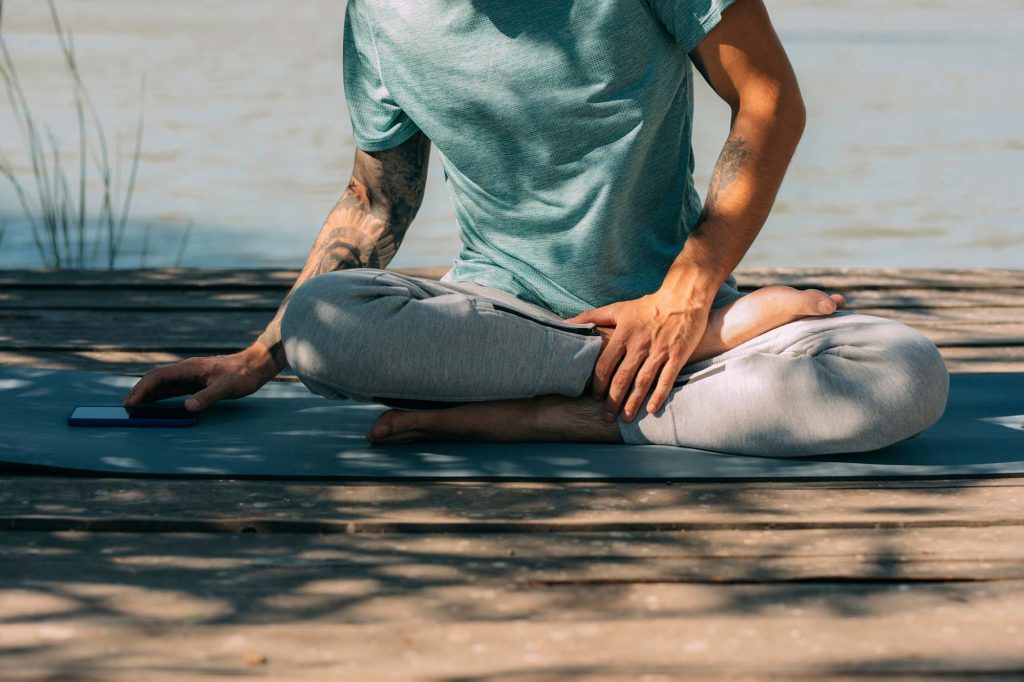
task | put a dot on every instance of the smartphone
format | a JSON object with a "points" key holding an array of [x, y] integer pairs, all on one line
{"points": [[140, 415]]}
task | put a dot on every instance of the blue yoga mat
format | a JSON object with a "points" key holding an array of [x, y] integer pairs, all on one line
{"points": [[284, 431]]}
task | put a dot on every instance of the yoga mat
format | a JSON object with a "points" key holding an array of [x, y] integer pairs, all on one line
{"points": [[284, 431]]}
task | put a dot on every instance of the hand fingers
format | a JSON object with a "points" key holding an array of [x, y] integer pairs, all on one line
{"points": [[603, 316], [606, 364], [165, 377], [649, 371], [172, 389], [206, 397], [677, 358], [669, 374], [622, 382]]}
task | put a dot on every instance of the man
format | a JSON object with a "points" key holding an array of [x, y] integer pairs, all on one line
{"points": [[592, 299]]}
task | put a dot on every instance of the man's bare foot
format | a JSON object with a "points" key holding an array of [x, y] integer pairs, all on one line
{"points": [[562, 418], [761, 311], [544, 418]]}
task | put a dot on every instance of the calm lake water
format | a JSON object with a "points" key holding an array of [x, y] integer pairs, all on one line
{"points": [[913, 155]]}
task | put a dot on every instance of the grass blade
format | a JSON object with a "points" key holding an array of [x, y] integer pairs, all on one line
{"points": [[144, 251], [133, 174], [19, 191], [184, 241]]}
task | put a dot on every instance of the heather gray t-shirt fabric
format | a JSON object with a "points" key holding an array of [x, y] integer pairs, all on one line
{"points": [[563, 127]]}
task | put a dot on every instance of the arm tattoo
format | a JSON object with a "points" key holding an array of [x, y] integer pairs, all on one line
{"points": [[354, 236], [730, 162], [367, 225]]}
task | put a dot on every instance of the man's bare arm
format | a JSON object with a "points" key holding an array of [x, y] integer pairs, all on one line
{"points": [[743, 60], [655, 335], [366, 226], [364, 229]]}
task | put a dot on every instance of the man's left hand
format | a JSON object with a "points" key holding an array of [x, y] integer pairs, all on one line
{"points": [[654, 337]]}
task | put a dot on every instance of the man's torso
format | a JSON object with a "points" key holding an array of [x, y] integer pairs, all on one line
{"points": [[564, 130]]}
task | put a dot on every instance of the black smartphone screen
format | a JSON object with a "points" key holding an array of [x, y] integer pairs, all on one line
{"points": [[141, 415], [158, 412], [137, 412]]}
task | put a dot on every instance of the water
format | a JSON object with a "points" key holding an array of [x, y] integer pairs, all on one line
{"points": [[913, 153]]}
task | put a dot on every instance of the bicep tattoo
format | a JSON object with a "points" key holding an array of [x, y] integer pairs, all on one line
{"points": [[353, 235], [730, 163], [370, 220], [367, 225]]}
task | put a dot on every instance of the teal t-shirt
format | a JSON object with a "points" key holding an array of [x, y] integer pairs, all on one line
{"points": [[563, 127]]}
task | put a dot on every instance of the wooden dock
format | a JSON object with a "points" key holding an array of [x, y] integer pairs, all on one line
{"points": [[131, 579]]}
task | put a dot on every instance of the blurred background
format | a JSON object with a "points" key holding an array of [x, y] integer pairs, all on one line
{"points": [[913, 153]]}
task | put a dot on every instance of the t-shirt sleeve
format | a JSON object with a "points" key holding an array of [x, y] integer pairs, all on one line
{"points": [[689, 20], [378, 122]]}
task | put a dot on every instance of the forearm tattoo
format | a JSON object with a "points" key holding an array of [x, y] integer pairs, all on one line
{"points": [[367, 225], [730, 163]]}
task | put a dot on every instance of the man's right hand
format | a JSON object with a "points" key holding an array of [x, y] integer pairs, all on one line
{"points": [[209, 379]]}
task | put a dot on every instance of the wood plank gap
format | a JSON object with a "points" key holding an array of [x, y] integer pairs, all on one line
{"points": [[158, 309], [266, 526], [960, 343], [114, 348], [796, 580]]}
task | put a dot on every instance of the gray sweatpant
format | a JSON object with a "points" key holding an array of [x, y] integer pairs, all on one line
{"points": [[842, 383]]}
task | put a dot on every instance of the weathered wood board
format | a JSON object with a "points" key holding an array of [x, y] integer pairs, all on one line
{"points": [[834, 278], [540, 506], [516, 581], [134, 319]]}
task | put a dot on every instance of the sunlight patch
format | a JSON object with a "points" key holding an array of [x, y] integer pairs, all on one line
{"points": [[1015, 422], [118, 381], [123, 462]]}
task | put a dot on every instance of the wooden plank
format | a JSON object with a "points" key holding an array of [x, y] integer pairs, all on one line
{"points": [[117, 362], [134, 363], [161, 278], [269, 298], [128, 363], [171, 278], [963, 306], [164, 300], [126, 606], [943, 640], [867, 555], [969, 334], [958, 359], [882, 278], [832, 278], [933, 298], [980, 317], [981, 359], [218, 330], [269, 506], [189, 332]]}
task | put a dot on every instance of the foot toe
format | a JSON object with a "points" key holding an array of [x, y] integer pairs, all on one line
{"points": [[815, 302], [394, 423]]}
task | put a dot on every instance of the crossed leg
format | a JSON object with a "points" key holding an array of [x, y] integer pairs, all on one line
{"points": [[578, 419], [774, 375]]}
